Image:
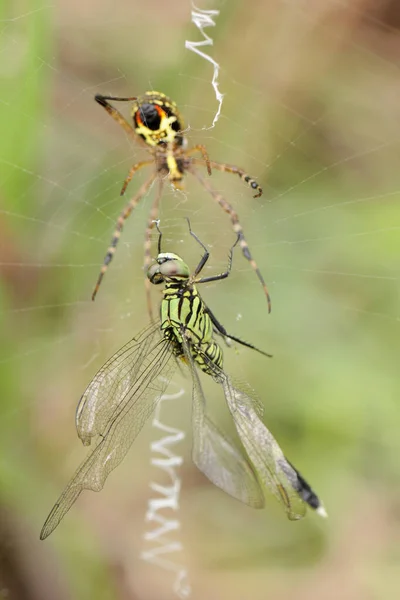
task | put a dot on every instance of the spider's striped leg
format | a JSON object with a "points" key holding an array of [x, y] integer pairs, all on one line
{"points": [[153, 219], [118, 117], [120, 224], [114, 113], [236, 171], [132, 171], [237, 228], [204, 153]]}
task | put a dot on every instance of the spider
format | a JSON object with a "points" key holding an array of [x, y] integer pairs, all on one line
{"points": [[158, 126]]}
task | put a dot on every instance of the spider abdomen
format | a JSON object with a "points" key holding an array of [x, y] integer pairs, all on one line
{"points": [[157, 121]]}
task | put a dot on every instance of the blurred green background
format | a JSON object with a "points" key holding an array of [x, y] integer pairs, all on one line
{"points": [[311, 110]]}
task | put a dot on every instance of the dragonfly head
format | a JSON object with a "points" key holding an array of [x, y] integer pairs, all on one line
{"points": [[168, 268]]}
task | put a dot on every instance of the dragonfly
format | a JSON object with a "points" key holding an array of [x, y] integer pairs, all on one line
{"points": [[125, 392]]}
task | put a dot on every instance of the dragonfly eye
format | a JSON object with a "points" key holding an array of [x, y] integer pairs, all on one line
{"points": [[154, 275], [174, 268]]}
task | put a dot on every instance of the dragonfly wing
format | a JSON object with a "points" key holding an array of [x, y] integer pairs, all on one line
{"points": [[214, 454], [111, 383], [268, 460], [119, 433]]}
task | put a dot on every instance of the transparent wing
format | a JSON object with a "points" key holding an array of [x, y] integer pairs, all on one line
{"points": [[214, 454], [111, 383], [268, 460], [118, 426]]}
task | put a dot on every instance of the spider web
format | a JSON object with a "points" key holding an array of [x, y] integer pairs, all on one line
{"points": [[311, 110]]}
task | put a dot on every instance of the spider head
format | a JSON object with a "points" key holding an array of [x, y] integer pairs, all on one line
{"points": [[168, 268], [157, 121]]}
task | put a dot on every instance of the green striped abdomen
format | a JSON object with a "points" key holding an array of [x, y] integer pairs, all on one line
{"points": [[185, 309]]}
